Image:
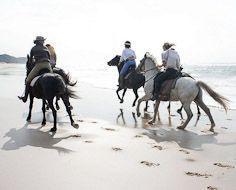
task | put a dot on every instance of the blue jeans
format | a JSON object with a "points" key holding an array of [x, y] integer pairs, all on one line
{"points": [[126, 66]]}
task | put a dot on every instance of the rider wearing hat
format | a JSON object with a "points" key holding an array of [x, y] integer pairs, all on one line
{"points": [[128, 55], [39, 55], [171, 62]]}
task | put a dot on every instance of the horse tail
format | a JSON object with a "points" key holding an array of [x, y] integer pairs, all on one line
{"points": [[217, 97], [71, 93], [66, 77]]}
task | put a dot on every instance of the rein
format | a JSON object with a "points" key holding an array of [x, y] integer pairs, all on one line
{"points": [[149, 69]]}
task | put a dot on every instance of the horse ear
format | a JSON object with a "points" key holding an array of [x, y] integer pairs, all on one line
{"points": [[28, 56]]}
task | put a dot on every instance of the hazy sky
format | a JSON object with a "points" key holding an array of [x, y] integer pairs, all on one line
{"points": [[203, 30]]}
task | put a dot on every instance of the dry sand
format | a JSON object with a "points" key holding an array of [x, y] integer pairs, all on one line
{"points": [[112, 149]]}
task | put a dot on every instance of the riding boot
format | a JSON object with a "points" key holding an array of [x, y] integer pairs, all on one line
{"points": [[24, 98], [121, 81], [155, 91]]}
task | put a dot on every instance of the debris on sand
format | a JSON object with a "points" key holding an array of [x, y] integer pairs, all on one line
{"points": [[223, 165], [76, 135], [116, 148], [149, 164], [198, 174]]}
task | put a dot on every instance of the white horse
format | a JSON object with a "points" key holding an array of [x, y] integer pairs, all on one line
{"points": [[186, 90]]}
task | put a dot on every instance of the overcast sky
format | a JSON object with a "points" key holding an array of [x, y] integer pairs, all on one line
{"points": [[203, 30]]}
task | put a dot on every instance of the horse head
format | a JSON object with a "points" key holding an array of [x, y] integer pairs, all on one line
{"points": [[115, 61], [29, 65]]}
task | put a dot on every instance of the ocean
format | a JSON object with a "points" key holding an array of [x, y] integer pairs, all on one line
{"points": [[220, 77]]}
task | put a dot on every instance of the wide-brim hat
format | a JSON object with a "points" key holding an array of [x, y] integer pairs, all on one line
{"points": [[39, 38]]}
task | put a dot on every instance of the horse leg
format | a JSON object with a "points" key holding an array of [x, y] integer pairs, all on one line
{"points": [[146, 107], [30, 108], [198, 111], [54, 112], [66, 102], [189, 113], [179, 111], [122, 100], [168, 108], [155, 113], [117, 92], [136, 96], [144, 98], [44, 111], [57, 105], [202, 105]]}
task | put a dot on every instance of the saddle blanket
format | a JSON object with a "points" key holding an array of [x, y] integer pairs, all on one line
{"points": [[34, 80], [166, 88]]}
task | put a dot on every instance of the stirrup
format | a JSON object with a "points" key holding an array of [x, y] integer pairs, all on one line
{"points": [[23, 98]]}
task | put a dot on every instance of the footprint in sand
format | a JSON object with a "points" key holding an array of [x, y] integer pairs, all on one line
{"points": [[80, 120], [108, 129], [138, 136], [190, 160], [212, 188], [223, 165], [149, 164], [88, 141], [224, 127], [198, 174], [116, 148], [185, 151], [158, 147]]}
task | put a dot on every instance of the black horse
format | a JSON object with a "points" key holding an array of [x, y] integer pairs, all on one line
{"points": [[47, 87], [133, 81]]}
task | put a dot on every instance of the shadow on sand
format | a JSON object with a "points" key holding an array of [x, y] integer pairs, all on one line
{"points": [[33, 137]]}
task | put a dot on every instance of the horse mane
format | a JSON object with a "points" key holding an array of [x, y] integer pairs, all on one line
{"points": [[150, 56]]}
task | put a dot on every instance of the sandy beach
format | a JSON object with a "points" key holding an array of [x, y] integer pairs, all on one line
{"points": [[113, 148]]}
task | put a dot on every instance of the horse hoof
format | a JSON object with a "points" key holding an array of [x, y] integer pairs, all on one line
{"points": [[212, 130], [71, 107], [181, 127], [43, 123], [54, 129], [121, 101], [57, 107], [75, 125], [150, 122], [28, 120], [138, 114]]}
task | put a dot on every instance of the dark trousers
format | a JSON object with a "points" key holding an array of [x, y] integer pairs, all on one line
{"points": [[163, 76]]}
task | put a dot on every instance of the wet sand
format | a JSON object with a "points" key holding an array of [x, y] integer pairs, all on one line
{"points": [[113, 148]]}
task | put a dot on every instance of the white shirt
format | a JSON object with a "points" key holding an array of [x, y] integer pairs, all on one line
{"points": [[127, 53], [172, 59]]}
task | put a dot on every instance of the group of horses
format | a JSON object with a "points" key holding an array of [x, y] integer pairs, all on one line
{"points": [[186, 90]]}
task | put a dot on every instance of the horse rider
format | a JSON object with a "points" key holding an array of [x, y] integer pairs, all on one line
{"points": [[40, 56], [171, 62], [128, 56], [53, 55]]}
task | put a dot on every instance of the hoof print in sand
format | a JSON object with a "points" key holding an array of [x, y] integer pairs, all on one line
{"points": [[116, 149], [212, 188], [88, 141], [198, 174], [185, 151], [223, 165], [158, 147], [149, 164]]}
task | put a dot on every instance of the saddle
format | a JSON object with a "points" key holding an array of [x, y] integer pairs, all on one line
{"points": [[130, 70], [166, 88]]}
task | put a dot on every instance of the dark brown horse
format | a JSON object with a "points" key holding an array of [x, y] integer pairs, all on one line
{"points": [[133, 81], [47, 87]]}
